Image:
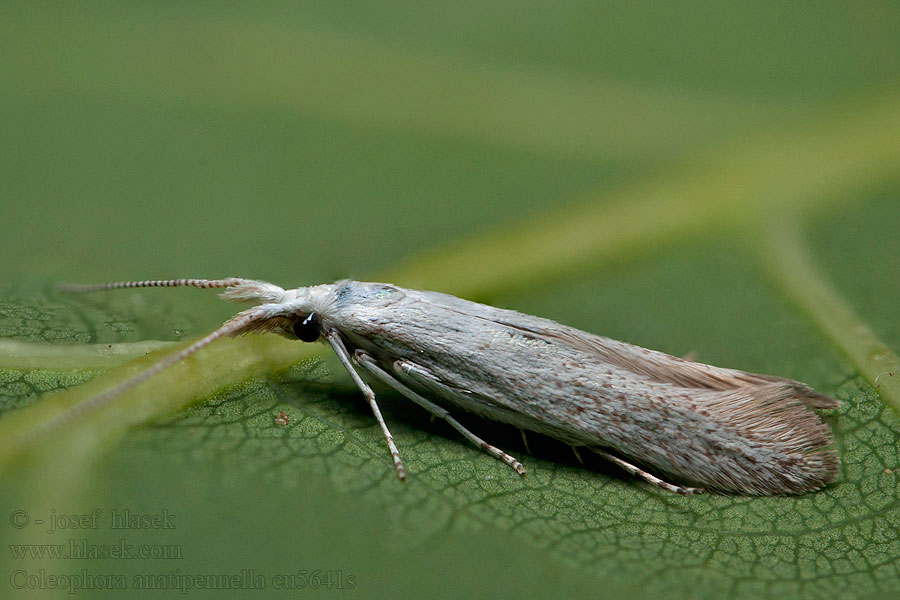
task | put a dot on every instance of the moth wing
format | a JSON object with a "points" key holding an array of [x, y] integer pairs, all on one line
{"points": [[725, 428], [664, 368], [649, 364]]}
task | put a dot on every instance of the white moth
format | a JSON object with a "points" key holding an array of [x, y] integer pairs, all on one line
{"points": [[717, 428]]}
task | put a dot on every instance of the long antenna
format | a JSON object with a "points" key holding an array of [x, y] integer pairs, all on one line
{"points": [[232, 326], [197, 283]]}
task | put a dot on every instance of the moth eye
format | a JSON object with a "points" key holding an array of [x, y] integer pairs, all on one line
{"points": [[308, 329]]}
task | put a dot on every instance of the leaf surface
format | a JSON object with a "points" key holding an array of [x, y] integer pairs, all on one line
{"points": [[748, 220]]}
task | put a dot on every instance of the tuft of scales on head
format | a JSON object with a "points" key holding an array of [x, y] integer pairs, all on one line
{"points": [[249, 290]]}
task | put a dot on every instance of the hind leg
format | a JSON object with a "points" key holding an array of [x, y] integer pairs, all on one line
{"points": [[669, 487]]}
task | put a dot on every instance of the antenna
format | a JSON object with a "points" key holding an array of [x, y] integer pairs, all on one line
{"points": [[197, 283], [240, 322]]}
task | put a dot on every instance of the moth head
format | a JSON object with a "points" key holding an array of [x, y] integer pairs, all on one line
{"points": [[297, 314]]}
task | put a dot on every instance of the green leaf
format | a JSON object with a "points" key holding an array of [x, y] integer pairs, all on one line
{"points": [[735, 198]]}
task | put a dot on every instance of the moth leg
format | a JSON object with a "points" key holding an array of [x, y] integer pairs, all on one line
{"points": [[525, 441], [577, 454], [369, 363], [337, 343], [669, 487]]}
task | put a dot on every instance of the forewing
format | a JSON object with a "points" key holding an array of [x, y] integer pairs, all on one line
{"points": [[723, 428], [649, 364]]}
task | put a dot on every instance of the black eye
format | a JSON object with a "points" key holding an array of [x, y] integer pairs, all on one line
{"points": [[308, 329]]}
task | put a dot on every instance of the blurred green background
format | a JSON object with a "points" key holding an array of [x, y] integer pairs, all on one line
{"points": [[616, 167]]}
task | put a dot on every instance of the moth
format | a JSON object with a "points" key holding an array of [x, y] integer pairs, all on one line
{"points": [[714, 428]]}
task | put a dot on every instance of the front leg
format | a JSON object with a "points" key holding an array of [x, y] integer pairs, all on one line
{"points": [[334, 338], [369, 363]]}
